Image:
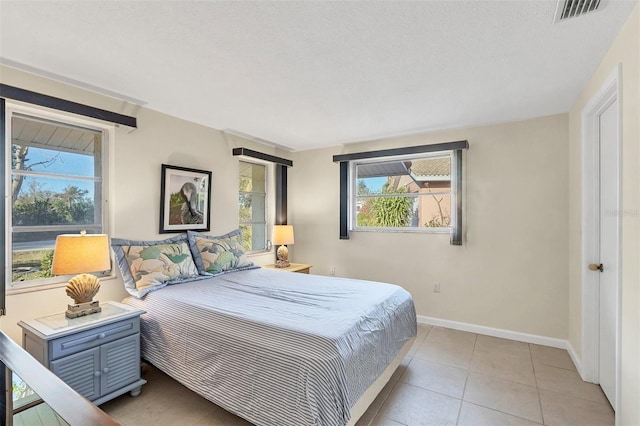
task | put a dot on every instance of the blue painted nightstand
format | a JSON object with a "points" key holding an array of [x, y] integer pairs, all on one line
{"points": [[98, 355]]}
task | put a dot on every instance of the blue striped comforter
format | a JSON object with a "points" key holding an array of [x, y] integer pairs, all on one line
{"points": [[277, 348]]}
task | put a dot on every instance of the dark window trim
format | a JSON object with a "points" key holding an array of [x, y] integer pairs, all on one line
{"points": [[281, 195], [344, 200], [456, 232], [3, 165], [262, 156], [23, 95], [456, 147], [420, 149]]}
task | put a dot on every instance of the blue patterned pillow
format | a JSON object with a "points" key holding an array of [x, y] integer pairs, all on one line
{"points": [[151, 265], [215, 255]]}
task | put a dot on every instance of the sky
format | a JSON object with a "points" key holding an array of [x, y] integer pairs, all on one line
{"points": [[375, 183], [65, 162]]}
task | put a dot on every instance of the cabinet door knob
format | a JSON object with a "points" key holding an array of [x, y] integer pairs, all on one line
{"points": [[105, 370], [97, 373], [101, 336]]}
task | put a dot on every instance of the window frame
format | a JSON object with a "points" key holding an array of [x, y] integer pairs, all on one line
{"points": [[457, 176], [267, 214], [353, 193], [107, 132]]}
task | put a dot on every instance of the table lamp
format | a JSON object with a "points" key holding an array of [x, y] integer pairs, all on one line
{"points": [[282, 235], [78, 254]]}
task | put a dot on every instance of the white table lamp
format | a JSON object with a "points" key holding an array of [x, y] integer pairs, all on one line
{"points": [[282, 235]]}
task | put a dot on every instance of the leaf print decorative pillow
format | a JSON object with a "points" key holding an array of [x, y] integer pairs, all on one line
{"points": [[155, 265], [220, 254], [151, 265]]}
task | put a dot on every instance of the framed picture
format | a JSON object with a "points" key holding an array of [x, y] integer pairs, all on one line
{"points": [[185, 198]]}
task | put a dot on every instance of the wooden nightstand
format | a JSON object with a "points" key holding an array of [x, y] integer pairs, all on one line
{"points": [[98, 355], [294, 267]]}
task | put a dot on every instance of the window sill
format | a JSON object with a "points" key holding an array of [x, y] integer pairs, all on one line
{"points": [[404, 231], [259, 253], [26, 288]]}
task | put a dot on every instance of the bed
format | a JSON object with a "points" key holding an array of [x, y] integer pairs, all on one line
{"points": [[279, 348]]}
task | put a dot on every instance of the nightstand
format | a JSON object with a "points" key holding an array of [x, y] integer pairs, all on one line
{"points": [[294, 267], [98, 355]]}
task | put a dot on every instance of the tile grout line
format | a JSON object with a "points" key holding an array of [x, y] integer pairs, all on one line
{"points": [[466, 380], [502, 412], [484, 374], [571, 395], [535, 377]]}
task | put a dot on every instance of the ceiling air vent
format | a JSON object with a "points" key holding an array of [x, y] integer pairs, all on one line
{"points": [[571, 8]]}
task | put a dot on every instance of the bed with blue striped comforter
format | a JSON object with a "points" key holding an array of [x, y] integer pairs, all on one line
{"points": [[277, 348]]}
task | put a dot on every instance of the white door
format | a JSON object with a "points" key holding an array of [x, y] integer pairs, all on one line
{"points": [[609, 249]]}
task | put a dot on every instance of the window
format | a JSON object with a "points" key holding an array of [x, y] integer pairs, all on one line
{"points": [[411, 193], [56, 185], [252, 204], [415, 188]]}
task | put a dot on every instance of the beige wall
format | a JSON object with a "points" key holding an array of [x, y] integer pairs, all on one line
{"points": [[135, 183], [511, 272], [625, 51]]}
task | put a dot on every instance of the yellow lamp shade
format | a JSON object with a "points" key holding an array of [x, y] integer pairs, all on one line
{"points": [[80, 253], [282, 234]]}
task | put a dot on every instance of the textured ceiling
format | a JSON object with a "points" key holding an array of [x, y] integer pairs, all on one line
{"points": [[306, 74]]}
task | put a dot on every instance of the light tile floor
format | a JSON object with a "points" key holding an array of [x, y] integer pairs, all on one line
{"points": [[449, 377]]}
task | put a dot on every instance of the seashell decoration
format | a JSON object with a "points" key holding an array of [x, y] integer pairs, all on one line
{"points": [[83, 287]]}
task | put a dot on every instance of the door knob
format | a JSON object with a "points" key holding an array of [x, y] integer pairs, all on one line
{"points": [[594, 267]]}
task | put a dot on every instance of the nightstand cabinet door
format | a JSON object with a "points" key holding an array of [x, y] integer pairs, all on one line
{"points": [[119, 363], [81, 371]]}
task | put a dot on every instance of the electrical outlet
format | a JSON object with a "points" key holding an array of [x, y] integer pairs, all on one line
{"points": [[436, 288], [332, 270]]}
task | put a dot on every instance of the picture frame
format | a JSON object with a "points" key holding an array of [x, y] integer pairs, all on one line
{"points": [[185, 199]]}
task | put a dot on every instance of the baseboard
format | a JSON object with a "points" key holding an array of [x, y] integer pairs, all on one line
{"points": [[498, 332], [575, 358]]}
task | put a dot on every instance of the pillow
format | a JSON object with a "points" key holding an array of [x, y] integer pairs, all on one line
{"points": [[151, 265], [217, 255]]}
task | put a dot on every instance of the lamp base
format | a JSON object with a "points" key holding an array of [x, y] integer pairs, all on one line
{"points": [[82, 309], [283, 257], [282, 264]]}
